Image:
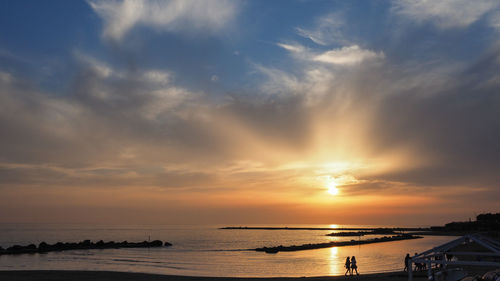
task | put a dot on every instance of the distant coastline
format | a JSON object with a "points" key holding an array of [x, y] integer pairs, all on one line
{"points": [[485, 223], [328, 228]]}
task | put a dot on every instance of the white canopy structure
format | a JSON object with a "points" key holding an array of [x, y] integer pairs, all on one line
{"points": [[439, 257]]}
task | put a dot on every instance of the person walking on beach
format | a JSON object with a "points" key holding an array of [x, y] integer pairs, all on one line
{"points": [[347, 266], [354, 266], [407, 259]]}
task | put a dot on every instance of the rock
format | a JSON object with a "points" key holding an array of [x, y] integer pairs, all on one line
{"points": [[156, 243], [58, 246], [43, 247], [15, 248], [271, 251]]}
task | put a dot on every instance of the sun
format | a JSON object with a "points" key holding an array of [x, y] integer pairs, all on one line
{"points": [[332, 187]]}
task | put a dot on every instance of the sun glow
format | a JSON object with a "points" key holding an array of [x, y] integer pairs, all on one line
{"points": [[331, 185]]}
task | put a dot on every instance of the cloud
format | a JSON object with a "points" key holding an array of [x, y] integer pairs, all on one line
{"points": [[278, 81], [445, 14], [93, 64], [326, 31], [157, 77], [12, 56], [120, 17], [347, 56], [292, 48], [5, 77], [494, 19]]}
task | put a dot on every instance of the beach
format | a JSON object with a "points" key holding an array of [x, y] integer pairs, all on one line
{"points": [[69, 275]]}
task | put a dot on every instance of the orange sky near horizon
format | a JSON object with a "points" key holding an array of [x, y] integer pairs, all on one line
{"points": [[239, 173]]}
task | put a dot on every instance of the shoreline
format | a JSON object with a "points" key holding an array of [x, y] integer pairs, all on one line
{"points": [[82, 275]]}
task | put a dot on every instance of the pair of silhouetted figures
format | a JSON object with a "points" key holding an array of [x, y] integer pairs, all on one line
{"points": [[418, 266], [351, 266]]}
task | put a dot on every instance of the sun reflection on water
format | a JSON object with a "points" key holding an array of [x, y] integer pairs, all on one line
{"points": [[334, 262]]}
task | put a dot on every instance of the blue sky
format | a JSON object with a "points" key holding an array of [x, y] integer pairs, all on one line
{"points": [[205, 104]]}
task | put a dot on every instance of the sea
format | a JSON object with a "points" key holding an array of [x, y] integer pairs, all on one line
{"points": [[205, 250]]}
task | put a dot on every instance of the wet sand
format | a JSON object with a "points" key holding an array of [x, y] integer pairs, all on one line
{"points": [[66, 275]]}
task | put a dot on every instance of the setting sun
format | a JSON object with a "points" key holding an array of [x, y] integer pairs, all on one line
{"points": [[332, 187]]}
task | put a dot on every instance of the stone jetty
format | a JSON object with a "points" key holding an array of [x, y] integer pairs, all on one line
{"points": [[281, 248], [83, 245]]}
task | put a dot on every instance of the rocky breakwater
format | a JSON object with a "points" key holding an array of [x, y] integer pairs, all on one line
{"points": [[83, 245], [281, 248]]}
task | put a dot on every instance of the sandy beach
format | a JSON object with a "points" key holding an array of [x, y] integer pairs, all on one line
{"points": [[67, 275]]}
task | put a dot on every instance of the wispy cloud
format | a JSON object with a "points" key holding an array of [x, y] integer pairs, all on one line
{"points": [[120, 16], [93, 64], [292, 48], [347, 56], [494, 19], [327, 30], [446, 13], [5, 77]]}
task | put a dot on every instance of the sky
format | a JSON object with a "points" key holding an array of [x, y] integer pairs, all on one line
{"points": [[249, 112]]}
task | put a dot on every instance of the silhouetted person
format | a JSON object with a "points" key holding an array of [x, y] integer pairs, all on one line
{"points": [[417, 265], [354, 266], [407, 259], [347, 266], [439, 258]]}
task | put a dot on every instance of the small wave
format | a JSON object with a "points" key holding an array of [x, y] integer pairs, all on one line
{"points": [[227, 250], [128, 260], [138, 261], [147, 263]]}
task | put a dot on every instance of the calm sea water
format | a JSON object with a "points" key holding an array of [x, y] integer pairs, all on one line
{"points": [[204, 251]]}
